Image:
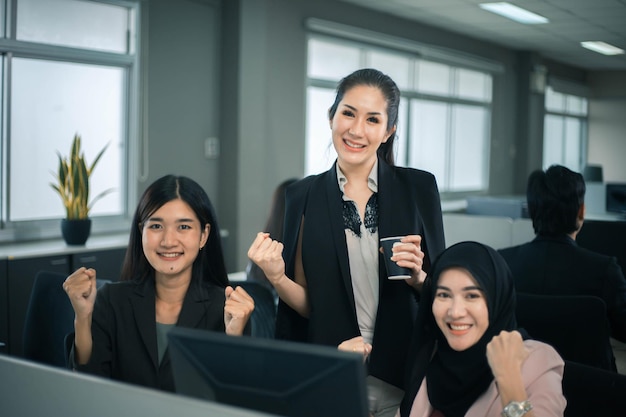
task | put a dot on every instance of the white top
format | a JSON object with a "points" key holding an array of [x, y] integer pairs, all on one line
{"points": [[362, 242]]}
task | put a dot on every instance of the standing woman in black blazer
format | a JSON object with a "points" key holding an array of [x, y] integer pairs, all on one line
{"points": [[173, 275], [331, 276]]}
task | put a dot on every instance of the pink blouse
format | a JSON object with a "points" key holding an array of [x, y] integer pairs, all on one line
{"points": [[542, 373]]}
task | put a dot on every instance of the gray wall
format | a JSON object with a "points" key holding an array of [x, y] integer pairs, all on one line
{"points": [[180, 44], [252, 90], [607, 124]]}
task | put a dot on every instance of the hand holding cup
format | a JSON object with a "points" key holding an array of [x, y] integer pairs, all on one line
{"points": [[404, 259]]}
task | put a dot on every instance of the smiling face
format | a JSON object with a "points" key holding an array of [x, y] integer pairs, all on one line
{"points": [[171, 239], [460, 308], [359, 126]]}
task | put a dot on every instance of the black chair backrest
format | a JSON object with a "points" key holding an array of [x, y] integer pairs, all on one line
{"points": [[591, 391], [576, 326], [49, 317], [263, 318], [606, 237]]}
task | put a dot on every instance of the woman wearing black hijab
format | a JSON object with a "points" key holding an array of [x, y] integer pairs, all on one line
{"points": [[470, 359]]}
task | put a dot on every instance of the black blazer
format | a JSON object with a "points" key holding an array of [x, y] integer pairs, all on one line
{"points": [[124, 330], [558, 266], [408, 203]]}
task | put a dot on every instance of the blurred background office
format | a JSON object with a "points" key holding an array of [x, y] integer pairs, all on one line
{"points": [[229, 93]]}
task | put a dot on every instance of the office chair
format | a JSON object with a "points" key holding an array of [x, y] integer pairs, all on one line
{"points": [[576, 326], [606, 237], [263, 318], [591, 391], [49, 318]]}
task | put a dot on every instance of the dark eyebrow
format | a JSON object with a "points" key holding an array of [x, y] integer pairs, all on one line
{"points": [[372, 113], [159, 219], [469, 288]]}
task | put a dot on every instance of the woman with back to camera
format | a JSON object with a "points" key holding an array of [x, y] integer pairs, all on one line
{"points": [[173, 275], [332, 282], [469, 359]]}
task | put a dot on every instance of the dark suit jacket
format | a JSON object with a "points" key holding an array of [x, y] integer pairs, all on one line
{"points": [[124, 330], [558, 266], [408, 203]]}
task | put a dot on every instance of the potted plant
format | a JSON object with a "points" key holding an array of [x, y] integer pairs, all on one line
{"points": [[72, 184]]}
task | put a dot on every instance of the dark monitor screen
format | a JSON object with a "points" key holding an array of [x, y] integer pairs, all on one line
{"points": [[274, 376], [616, 198]]}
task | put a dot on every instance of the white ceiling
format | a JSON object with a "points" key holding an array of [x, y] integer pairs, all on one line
{"points": [[571, 21]]}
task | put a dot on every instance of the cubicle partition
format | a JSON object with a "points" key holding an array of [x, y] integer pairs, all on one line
{"points": [[496, 231]]}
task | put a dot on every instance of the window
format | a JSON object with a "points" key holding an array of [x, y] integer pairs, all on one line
{"points": [[445, 111], [70, 67], [565, 127]]}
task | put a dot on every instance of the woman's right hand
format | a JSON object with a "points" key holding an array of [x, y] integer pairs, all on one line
{"points": [[81, 290], [357, 345], [268, 255]]}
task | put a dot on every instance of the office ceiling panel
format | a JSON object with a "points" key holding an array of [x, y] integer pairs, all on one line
{"points": [[571, 21]]}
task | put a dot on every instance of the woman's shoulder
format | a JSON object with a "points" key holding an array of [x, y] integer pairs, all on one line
{"points": [[537, 347], [302, 185], [213, 288], [541, 358], [414, 172], [112, 293], [411, 174], [115, 289]]}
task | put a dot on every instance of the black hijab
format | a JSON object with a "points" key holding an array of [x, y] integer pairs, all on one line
{"points": [[456, 379]]}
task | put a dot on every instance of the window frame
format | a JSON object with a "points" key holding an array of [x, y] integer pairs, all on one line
{"points": [[564, 115], [16, 231]]}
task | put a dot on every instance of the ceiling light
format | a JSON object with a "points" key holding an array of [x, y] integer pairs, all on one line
{"points": [[513, 12], [602, 47]]}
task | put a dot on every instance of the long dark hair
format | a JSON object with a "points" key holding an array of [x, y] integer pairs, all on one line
{"points": [[276, 218], [391, 92], [209, 264]]}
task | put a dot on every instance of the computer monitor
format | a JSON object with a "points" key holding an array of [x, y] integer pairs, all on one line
{"points": [[616, 198], [275, 376]]}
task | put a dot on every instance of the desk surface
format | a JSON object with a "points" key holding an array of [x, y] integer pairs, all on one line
{"points": [[59, 247]]}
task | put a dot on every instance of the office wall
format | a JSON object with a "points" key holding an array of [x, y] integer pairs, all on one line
{"points": [[607, 124], [180, 105]]}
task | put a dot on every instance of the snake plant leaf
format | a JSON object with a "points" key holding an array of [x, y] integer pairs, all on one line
{"points": [[73, 181]]}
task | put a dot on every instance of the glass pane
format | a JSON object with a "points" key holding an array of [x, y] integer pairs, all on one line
{"points": [[554, 101], [427, 147], [394, 65], [64, 99], [319, 153], [474, 85], [552, 141], [433, 78], [576, 105], [74, 23], [331, 60], [572, 146], [469, 151]]}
